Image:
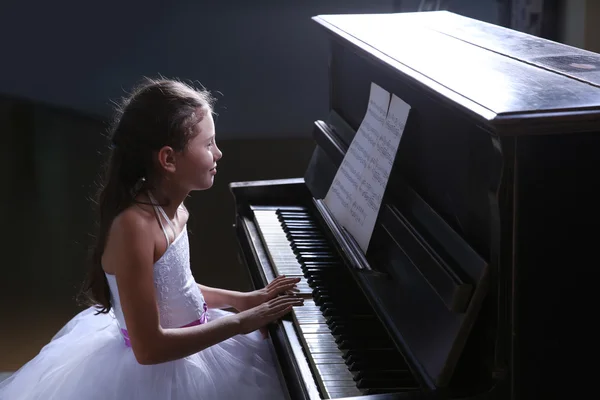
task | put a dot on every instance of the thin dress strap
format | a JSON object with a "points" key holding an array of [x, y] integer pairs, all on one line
{"points": [[160, 212]]}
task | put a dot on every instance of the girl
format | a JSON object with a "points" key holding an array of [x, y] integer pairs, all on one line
{"points": [[151, 332]]}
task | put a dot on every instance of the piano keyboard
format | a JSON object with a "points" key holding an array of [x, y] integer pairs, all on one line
{"points": [[346, 346]]}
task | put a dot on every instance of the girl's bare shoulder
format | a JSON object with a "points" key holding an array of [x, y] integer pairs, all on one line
{"points": [[131, 239]]}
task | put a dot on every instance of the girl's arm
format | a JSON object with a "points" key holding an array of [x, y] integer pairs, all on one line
{"points": [[222, 298], [131, 243]]}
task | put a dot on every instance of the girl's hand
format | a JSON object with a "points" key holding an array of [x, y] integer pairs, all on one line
{"points": [[260, 316], [280, 285]]}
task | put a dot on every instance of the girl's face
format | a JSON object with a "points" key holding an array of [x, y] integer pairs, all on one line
{"points": [[196, 165]]}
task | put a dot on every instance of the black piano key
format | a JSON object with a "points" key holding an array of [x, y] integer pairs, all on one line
{"points": [[367, 383], [302, 258], [303, 247], [359, 327], [341, 312], [303, 231], [321, 269], [375, 365], [342, 333], [308, 229], [342, 299], [362, 352], [314, 255], [308, 241], [293, 216], [314, 270], [298, 222], [293, 234], [333, 263], [392, 375], [368, 354], [364, 343], [310, 248]]}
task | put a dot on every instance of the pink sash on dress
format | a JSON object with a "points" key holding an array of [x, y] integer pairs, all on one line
{"points": [[203, 319]]}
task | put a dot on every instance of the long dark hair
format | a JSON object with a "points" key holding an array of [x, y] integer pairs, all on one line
{"points": [[158, 113]]}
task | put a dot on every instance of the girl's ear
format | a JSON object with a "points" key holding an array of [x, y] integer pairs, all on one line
{"points": [[166, 158]]}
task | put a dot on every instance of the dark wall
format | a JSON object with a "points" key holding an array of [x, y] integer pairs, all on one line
{"points": [[267, 58]]}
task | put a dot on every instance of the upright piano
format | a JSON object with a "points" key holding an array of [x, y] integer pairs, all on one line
{"points": [[477, 283]]}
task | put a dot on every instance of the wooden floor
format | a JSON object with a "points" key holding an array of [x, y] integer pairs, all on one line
{"points": [[49, 161]]}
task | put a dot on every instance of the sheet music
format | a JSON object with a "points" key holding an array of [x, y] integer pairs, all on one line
{"points": [[355, 195], [348, 176], [365, 206]]}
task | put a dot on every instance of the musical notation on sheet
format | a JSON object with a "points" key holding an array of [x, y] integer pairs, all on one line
{"points": [[355, 195], [348, 176]]}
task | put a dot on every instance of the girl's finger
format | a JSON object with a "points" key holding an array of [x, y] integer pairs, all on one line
{"points": [[286, 310], [285, 281], [283, 288], [287, 302], [275, 281], [283, 285], [291, 283], [283, 300]]}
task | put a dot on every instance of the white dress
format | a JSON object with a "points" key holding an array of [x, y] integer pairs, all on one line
{"points": [[89, 358]]}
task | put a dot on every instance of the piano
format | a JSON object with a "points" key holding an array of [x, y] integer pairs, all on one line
{"points": [[477, 280]]}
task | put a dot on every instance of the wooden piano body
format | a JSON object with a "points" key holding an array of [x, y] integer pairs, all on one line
{"points": [[478, 270]]}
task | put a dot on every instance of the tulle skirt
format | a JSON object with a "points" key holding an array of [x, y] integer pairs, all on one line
{"points": [[88, 359]]}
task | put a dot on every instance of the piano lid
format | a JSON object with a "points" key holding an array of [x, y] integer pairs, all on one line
{"points": [[496, 74], [570, 61]]}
